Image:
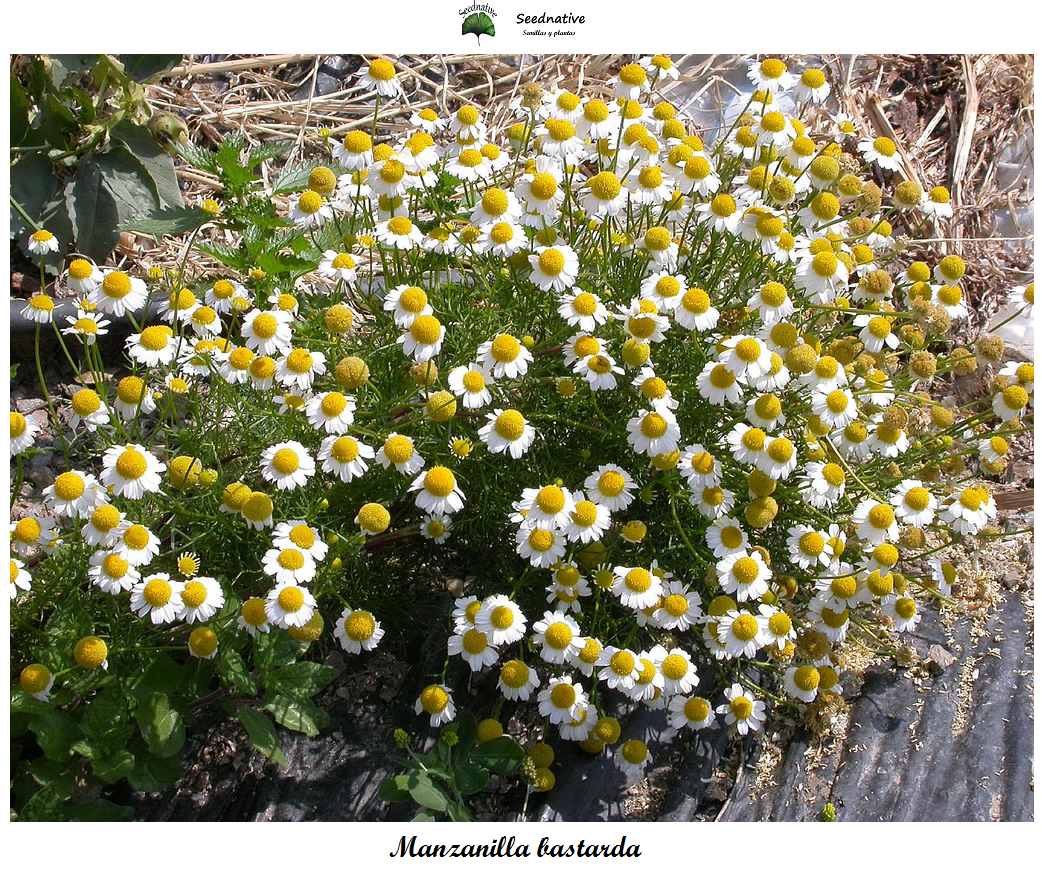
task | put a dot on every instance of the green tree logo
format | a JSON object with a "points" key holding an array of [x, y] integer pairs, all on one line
{"points": [[478, 23]]}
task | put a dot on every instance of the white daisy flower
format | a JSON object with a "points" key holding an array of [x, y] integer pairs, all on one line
{"points": [[288, 465], [436, 702], [157, 598], [742, 710], [118, 293], [42, 242], [507, 431], [201, 598], [517, 681], [437, 491], [470, 384], [611, 486], [135, 543], [554, 267], [542, 547], [423, 339], [131, 470], [652, 432], [558, 637], [504, 356], [501, 620], [289, 606], [288, 565], [332, 412], [267, 332], [473, 646], [74, 494], [694, 712], [881, 151], [399, 451], [358, 630], [345, 457], [562, 700]]}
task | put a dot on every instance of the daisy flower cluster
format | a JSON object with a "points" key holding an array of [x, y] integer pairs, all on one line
{"points": [[682, 405]]}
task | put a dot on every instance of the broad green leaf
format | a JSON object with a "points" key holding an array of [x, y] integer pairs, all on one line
{"points": [[161, 725], [501, 755], [20, 133], [232, 170], [470, 778], [112, 768], [124, 176], [162, 675], [300, 680], [466, 733], [273, 650], [298, 714], [262, 734], [394, 789], [44, 805], [55, 733], [426, 792], [56, 123], [93, 212], [423, 816], [33, 184], [22, 702], [457, 812], [106, 721], [51, 772], [145, 67], [170, 220], [157, 163], [75, 64], [99, 810], [152, 774], [234, 673]]}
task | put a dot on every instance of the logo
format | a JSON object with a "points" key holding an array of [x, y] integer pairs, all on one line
{"points": [[478, 20]]}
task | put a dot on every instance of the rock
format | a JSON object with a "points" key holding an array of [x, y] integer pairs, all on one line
{"points": [[1011, 579], [1026, 553], [939, 659]]}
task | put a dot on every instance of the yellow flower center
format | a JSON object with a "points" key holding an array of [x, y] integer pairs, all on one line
{"points": [[505, 348], [558, 635], [392, 172], [543, 186], [638, 580], [157, 592], [69, 486], [439, 482], [884, 146], [563, 695], [426, 329], [675, 605], [550, 499], [745, 627], [772, 68], [605, 186], [541, 540], [310, 202], [723, 206], [779, 624], [114, 566], [674, 666], [291, 599], [90, 652], [381, 69], [551, 262], [299, 360], [881, 516], [116, 284]]}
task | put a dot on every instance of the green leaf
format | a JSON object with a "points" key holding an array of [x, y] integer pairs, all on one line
{"points": [[157, 163], [75, 64], [145, 67], [501, 755], [478, 23], [44, 805], [99, 810], [162, 675], [426, 792], [19, 115], [234, 673], [233, 257], [467, 733], [298, 714], [470, 778], [56, 123], [300, 680], [457, 812], [232, 171], [292, 177], [50, 772], [273, 650], [129, 183], [278, 263], [161, 725], [262, 734], [92, 211], [112, 768], [55, 733], [106, 721], [394, 789], [33, 184], [170, 220], [266, 151], [197, 157], [153, 774], [24, 703], [423, 816]]}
